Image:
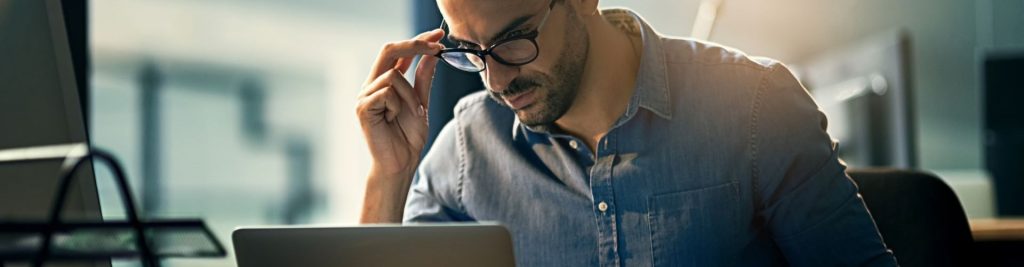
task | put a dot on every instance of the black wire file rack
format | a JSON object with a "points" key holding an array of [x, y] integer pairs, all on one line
{"points": [[55, 239]]}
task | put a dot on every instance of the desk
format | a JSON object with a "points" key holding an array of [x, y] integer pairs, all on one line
{"points": [[998, 241], [998, 229]]}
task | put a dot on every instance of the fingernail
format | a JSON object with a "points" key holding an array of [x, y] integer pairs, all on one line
{"points": [[423, 113]]}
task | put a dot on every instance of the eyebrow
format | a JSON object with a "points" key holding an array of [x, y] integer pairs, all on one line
{"points": [[511, 26]]}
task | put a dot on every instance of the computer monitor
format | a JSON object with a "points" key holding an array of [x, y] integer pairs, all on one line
{"points": [[864, 90], [39, 106], [1004, 129]]}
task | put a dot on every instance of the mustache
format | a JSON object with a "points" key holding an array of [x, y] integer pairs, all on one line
{"points": [[517, 86]]}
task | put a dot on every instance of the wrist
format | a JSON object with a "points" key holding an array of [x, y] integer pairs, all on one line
{"points": [[384, 176], [384, 201]]}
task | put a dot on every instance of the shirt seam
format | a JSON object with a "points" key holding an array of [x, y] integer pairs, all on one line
{"points": [[752, 65], [461, 151], [754, 126], [667, 91]]}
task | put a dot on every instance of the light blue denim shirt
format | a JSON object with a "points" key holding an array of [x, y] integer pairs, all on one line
{"points": [[721, 159]]}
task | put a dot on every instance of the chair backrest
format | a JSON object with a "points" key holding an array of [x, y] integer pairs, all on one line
{"points": [[918, 215]]}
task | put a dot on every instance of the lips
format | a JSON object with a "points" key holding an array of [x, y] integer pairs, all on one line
{"points": [[521, 100]]}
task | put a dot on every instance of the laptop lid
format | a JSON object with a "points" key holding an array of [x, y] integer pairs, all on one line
{"points": [[377, 245]]}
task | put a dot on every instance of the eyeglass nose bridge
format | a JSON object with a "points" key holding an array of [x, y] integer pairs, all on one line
{"points": [[484, 54]]}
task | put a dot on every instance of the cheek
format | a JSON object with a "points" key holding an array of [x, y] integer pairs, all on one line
{"points": [[544, 69], [552, 46], [548, 93], [549, 53]]}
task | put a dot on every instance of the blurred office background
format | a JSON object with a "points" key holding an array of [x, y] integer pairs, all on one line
{"points": [[241, 112]]}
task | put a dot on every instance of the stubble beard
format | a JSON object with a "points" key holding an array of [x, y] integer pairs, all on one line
{"points": [[557, 91]]}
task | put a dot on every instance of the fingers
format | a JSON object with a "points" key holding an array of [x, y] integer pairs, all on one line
{"points": [[424, 78], [433, 36], [394, 81], [392, 104], [383, 101], [387, 91], [398, 55]]}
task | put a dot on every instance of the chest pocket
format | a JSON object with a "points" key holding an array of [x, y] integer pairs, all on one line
{"points": [[694, 227]]}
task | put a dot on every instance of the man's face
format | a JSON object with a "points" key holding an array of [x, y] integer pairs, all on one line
{"points": [[539, 92]]}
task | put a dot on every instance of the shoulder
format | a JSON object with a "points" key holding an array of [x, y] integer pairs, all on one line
{"points": [[730, 91], [478, 115], [470, 111], [715, 68], [721, 82], [479, 104], [478, 124], [700, 64], [679, 50], [442, 171], [473, 101]]}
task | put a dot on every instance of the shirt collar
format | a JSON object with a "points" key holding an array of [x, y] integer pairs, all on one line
{"points": [[651, 92]]}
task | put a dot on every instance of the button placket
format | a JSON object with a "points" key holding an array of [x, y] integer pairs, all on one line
{"points": [[604, 201]]}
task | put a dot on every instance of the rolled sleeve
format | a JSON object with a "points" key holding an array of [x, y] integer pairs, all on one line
{"points": [[808, 203]]}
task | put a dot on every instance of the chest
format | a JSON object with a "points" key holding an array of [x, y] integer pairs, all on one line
{"points": [[634, 200]]}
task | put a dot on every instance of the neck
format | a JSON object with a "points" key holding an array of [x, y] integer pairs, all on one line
{"points": [[609, 79]]}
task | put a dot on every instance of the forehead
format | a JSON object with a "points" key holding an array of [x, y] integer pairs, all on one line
{"points": [[479, 20]]}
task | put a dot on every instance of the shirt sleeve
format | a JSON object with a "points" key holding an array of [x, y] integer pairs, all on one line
{"points": [[809, 205], [435, 192]]}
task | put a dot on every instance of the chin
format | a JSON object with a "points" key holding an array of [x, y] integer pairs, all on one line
{"points": [[528, 115], [535, 115]]}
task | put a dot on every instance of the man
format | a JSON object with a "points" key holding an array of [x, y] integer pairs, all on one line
{"points": [[600, 142]]}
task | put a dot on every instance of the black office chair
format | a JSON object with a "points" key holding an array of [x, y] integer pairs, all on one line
{"points": [[918, 215]]}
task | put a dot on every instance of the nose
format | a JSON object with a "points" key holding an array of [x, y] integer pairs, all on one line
{"points": [[498, 76]]}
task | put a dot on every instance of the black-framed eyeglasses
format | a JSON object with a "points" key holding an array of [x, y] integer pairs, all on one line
{"points": [[515, 51]]}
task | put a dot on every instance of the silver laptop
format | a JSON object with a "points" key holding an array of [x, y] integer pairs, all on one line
{"points": [[379, 245]]}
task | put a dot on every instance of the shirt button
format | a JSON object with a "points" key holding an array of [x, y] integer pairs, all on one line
{"points": [[602, 206], [573, 144]]}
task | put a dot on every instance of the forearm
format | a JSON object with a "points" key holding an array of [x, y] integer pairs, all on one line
{"points": [[385, 197]]}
